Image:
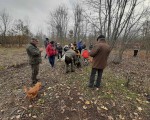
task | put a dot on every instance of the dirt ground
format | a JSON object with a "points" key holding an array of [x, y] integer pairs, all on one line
{"points": [[67, 97]]}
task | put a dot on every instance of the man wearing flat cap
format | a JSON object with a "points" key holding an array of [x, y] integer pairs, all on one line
{"points": [[34, 54], [100, 53]]}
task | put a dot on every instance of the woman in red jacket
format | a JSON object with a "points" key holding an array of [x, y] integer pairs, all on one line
{"points": [[51, 52]]}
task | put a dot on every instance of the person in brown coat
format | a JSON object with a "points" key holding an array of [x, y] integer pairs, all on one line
{"points": [[100, 55]]}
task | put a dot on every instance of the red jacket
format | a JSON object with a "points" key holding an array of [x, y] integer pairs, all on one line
{"points": [[85, 54], [50, 50]]}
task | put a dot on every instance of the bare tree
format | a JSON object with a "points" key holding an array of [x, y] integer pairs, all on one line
{"points": [[78, 18], [5, 20], [116, 19], [59, 22], [146, 36], [113, 16]]}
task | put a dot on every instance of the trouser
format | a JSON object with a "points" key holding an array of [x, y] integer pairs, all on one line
{"points": [[35, 71], [59, 54], [92, 77], [68, 61], [52, 60], [80, 50], [135, 53]]}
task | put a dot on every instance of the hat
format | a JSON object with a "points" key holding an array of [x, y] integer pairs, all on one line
{"points": [[101, 37], [52, 42], [34, 39], [46, 38]]}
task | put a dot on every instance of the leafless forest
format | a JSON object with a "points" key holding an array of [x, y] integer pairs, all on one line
{"points": [[125, 94]]}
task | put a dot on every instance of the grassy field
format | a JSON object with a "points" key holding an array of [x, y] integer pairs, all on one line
{"points": [[67, 97]]}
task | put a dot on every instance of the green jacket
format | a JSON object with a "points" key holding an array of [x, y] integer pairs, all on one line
{"points": [[34, 54]]}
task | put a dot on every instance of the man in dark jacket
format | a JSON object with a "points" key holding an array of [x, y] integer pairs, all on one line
{"points": [[34, 58], [46, 42], [59, 50], [100, 54]]}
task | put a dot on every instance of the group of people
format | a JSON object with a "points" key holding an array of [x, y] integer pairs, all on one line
{"points": [[72, 54]]}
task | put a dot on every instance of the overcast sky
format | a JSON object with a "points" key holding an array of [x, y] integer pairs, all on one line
{"points": [[35, 10]]}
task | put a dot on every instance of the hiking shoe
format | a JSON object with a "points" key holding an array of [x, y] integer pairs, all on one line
{"points": [[96, 86], [72, 70], [90, 86]]}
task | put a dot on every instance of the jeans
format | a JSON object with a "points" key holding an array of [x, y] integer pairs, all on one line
{"points": [[52, 60], [92, 77], [59, 54]]}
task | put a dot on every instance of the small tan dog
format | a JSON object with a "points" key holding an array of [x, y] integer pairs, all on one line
{"points": [[32, 92]]}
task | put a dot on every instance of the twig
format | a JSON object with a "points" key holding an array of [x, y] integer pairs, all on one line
{"points": [[22, 113], [79, 113], [13, 111], [41, 107]]}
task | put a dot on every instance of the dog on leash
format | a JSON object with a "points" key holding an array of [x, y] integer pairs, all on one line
{"points": [[32, 92]]}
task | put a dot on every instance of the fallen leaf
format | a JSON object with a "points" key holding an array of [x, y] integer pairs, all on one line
{"points": [[98, 109], [81, 98], [12, 117], [138, 100], [139, 108], [57, 96], [45, 94], [18, 116], [49, 88], [95, 102], [110, 118], [84, 107], [87, 102], [67, 118], [103, 107], [121, 117], [34, 116], [30, 106]]}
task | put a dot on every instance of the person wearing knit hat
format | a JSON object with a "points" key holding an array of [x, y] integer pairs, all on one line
{"points": [[100, 37], [100, 53]]}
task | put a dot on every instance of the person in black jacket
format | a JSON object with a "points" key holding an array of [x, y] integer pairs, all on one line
{"points": [[46, 42], [59, 50]]}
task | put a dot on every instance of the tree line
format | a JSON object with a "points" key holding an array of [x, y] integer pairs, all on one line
{"points": [[123, 22]]}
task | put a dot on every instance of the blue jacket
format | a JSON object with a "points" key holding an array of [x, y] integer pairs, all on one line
{"points": [[79, 45]]}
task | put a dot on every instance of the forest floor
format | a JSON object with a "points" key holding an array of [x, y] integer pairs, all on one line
{"points": [[67, 97]]}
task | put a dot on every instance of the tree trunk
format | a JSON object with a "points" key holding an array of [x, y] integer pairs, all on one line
{"points": [[118, 58]]}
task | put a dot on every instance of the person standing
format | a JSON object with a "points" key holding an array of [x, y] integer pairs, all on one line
{"points": [[59, 50], [136, 50], [79, 46], [34, 54], [51, 53], [46, 42], [90, 47], [100, 54]]}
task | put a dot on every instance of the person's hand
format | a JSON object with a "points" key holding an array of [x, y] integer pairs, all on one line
{"points": [[41, 49]]}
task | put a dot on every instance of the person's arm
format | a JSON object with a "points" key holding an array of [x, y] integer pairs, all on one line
{"points": [[34, 51], [94, 51]]}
